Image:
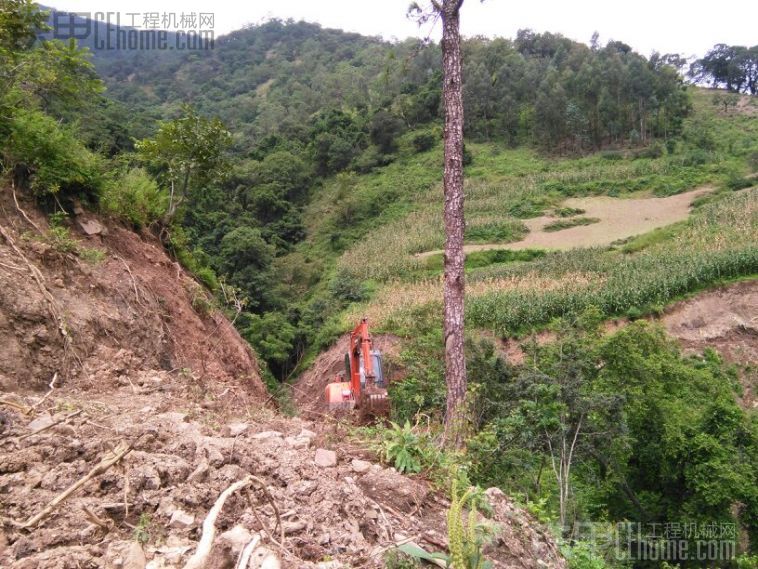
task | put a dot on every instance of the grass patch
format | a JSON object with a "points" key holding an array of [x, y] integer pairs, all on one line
{"points": [[568, 211], [496, 232], [481, 259], [654, 237], [560, 224]]}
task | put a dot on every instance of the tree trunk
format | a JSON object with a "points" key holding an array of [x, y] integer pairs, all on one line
{"points": [[455, 362]]}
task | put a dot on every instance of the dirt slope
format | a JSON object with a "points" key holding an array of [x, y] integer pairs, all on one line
{"points": [[98, 323], [139, 370]]}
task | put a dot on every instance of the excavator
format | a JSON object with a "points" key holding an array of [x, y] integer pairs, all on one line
{"points": [[365, 388]]}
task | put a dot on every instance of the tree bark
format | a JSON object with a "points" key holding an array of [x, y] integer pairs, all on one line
{"points": [[455, 362]]}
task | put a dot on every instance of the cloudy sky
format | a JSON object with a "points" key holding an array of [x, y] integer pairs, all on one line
{"points": [[668, 26]]}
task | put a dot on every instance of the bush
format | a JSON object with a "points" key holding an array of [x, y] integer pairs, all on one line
{"points": [[347, 288], [502, 232], [424, 141], [51, 156], [135, 197], [612, 155]]}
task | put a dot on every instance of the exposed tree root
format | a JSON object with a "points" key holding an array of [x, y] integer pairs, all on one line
{"points": [[200, 557]]}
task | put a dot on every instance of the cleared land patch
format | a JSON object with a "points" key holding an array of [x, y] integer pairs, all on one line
{"points": [[619, 218]]}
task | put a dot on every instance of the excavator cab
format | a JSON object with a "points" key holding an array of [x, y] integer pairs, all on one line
{"points": [[362, 386]]}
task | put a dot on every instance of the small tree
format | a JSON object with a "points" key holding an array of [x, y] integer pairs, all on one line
{"points": [[187, 152]]}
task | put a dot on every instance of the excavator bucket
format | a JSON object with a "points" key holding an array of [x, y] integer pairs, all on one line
{"points": [[376, 403]]}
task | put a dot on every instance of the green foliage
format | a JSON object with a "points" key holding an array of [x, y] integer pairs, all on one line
{"points": [[245, 259], [134, 196], [186, 154], [580, 555], [424, 141], [729, 66], [50, 156], [568, 211], [746, 561], [92, 255], [142, 530], [396, 559], [272, 336], [466, 539], [58, 235], [43, 83], [402, 448], [560, 224], [497, 232]]}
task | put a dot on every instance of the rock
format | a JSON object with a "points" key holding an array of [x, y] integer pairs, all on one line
{"points": [[236, 429], [388, 487], [200, 473], [237, 538], [181, 520], [360, 466], [305, 433], [298, 442], [173, 551], [293, 527], [92, 227], [264, 558], [40, 423], [325, 458], [134, 557], [262, 436]]}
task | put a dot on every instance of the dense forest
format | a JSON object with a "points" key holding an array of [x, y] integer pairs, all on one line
{"points": [[284, 167]]}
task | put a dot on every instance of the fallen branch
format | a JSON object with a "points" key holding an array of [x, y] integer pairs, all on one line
{"points": [[109, 460], [18, 406], [134, 282], [51, 425], [199, 558], [52, 388]]}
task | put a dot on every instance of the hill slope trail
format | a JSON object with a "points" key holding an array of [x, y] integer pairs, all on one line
{"points": [[140, 371]]}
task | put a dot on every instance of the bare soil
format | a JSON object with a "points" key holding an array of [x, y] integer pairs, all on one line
{"points": [[620, 218]]}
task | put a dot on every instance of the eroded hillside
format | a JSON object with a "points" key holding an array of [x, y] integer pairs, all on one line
{"points": [[121, 378]]}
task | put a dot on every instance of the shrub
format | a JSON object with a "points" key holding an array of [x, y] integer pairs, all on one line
{"points": [[347, 288], [612, 155], [54, 160], [502, 232], [423, 142], [135, 197], [402, 448]]}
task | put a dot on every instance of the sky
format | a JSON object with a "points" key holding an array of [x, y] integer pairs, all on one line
{"points": [[667, 26]]}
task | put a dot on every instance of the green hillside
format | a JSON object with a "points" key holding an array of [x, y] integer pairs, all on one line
{"points": [[296, 171]]}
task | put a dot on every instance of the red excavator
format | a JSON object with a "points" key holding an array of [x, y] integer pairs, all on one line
{"points": [[365, 388]]}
